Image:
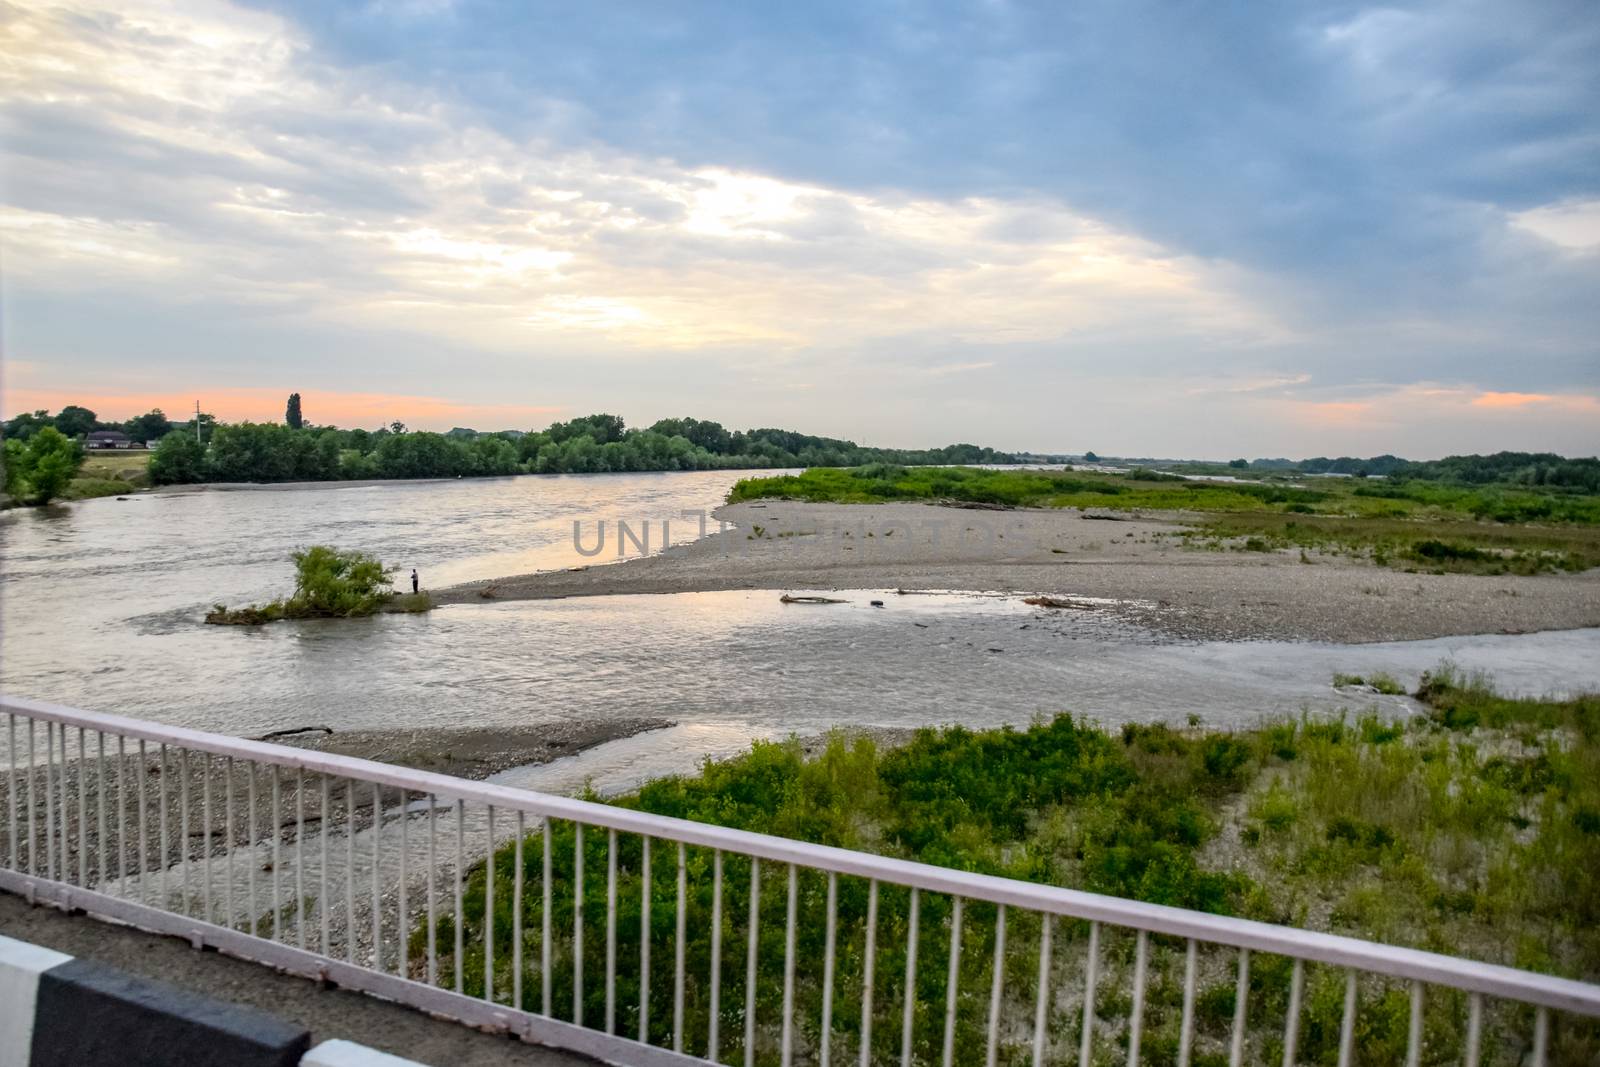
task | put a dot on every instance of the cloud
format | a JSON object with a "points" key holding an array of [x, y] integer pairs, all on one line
{"points": [[960, 368], [1578, 403], [934, 218], [1430, 419], [1571, 224], [479, 239]]}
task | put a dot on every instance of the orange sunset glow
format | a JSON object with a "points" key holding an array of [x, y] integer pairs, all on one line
{"points": [[349, 410]]}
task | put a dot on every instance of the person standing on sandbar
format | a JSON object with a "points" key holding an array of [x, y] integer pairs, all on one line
{"points": [[413, 581]]}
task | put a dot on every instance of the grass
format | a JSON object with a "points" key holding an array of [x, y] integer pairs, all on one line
{"points": [[1473, 830], [106, 473], [1413, 526], [130, 467], [1437, 544], [1379, 683], [109, 474], [410, 603], [879, 482], [81, 488]]}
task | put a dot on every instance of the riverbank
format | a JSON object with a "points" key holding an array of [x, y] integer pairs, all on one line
{"points": [[1139, 567], [472, 752]]}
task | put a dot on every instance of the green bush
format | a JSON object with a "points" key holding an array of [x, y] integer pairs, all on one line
{"points": [[40, 470], [1432, 550], [333, 583], [328, 584], [180, 459]]}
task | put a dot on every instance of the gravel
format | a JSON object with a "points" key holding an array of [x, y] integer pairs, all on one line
{"points": [[1138, 563]]}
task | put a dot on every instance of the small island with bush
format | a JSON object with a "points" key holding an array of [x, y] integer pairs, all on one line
{"points": [[329, 584]]}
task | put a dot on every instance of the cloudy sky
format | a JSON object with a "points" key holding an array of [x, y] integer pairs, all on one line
{"points": [[1175, 229]]}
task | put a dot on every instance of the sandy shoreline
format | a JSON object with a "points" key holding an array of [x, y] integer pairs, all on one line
{"points": [[1138, 561], [473, 752]]}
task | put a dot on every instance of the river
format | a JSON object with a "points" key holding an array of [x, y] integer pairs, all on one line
{"points": [[101, 602]]}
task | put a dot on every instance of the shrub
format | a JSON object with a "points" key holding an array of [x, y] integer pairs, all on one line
{"points": [[1224, 759], [38, 472], [328, 584], [333, 583], [1443, 551]]}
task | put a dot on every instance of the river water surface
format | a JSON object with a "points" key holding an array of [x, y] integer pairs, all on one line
{"points": [[102, 604]]}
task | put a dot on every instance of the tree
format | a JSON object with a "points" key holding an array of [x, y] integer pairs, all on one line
{"points": [[1238, 464], [75, 421], [38, 471], [1090, 457], [251, 452], [328, 584], [331, 582], [397, 426], [27, 424], [179, 460], [208, 423], [292, 414], [152, 426]]}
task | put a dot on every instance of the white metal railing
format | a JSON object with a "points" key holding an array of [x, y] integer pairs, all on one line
{"points": [[374, 877]]}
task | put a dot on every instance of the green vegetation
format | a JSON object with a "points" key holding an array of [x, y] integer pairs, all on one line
{"points": [[130, 468], [1495, 529], [261, 452], [1539, 469], [179, 459], [1507, 468], [1379, 683], [116, 473], [1424, 540], [329, 584], [299, 451], [1472, 830], [75, 421], [40, 470]]}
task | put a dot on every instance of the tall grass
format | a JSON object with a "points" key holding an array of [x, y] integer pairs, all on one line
{"points": [[1151, 490]]}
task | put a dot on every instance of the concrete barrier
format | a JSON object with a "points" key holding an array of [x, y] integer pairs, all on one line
{"points": [[21, 964], [57, 1011]]}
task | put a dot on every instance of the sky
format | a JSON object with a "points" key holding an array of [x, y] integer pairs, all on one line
{"points": [[1169, 229]]}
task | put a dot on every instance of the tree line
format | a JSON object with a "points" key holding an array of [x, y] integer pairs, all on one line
{"points": [[77, 421], [269, 452], [1533, 469], [1509, 468]]}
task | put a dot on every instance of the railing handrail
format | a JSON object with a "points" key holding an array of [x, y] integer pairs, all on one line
{"points": [[1563, 994]]}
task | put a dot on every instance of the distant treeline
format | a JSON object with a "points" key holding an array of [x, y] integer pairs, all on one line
{"points": [[74, 420], [1511, 468], [1501, 468], [268, 452]]}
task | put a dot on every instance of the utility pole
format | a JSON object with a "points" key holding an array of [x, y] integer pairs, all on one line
{"points": [[197, 436]]}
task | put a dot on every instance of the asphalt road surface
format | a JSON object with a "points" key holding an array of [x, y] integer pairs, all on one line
{"points": [[327, 1013]]}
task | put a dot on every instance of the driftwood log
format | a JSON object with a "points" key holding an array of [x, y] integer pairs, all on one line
{"points": [[274, 734], [1053, 602]]}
